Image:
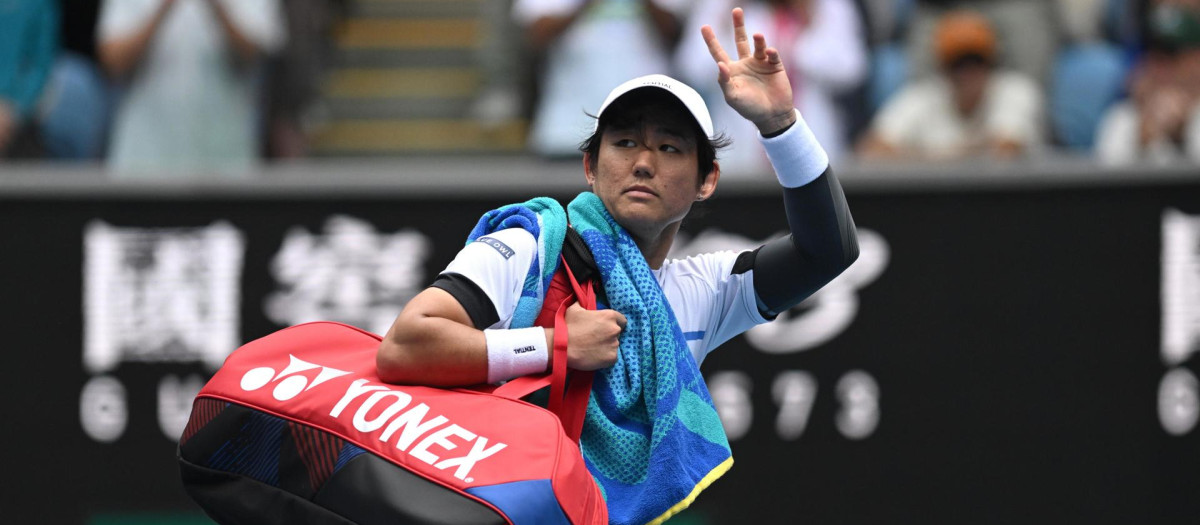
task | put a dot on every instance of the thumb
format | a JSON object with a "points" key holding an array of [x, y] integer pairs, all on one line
{"points": [[620, 318], [723, 74]]}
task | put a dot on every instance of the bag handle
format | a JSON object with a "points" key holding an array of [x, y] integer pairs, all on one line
{"points": [[568, 398]]}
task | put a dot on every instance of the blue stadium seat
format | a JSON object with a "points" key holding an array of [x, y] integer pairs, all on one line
{"points": [[1087, 78]]}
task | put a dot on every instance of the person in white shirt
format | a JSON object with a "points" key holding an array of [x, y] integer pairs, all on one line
{"points": [[589, 47], [970, 109], [190, 100]]}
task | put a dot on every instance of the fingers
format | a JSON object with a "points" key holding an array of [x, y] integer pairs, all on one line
{"points": [[714, 46], [739, 33], [760, 46], [723, 73], [773, 56]]}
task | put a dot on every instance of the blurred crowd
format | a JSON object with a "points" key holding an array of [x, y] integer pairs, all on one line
{"points": [[158, 87]]}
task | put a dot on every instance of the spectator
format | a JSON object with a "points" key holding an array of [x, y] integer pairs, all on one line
{"points": [[28, 46], [969, 109], [1027, 31], [888, 23], [1160, 121], [78, 101], [590, 47], [823, 45], [189, 72]]}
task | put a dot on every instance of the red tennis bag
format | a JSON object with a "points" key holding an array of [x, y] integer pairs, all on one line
{"points": [[296, 427]]}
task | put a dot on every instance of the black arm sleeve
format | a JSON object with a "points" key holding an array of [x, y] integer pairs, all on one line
{"points": [[822, 244], [478, 305]]}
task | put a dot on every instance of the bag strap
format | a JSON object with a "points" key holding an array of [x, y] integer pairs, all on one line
{"points": [[568, 392], [569, 399]]}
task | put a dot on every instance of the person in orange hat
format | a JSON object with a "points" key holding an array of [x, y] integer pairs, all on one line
{"points": [[970, 108]]}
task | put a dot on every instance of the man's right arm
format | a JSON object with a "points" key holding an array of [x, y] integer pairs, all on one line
{"points": [[433, 342], [452, 334], [122, 49]]}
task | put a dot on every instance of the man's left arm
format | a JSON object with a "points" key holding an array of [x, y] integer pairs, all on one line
{"points": [[823, 240]]}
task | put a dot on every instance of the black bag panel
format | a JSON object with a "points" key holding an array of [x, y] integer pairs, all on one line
{"points": [[373, 491], [262, 447], [244, 466], [232, 499]]}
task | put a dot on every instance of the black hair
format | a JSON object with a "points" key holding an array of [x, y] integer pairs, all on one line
{"points": [[628, 111]]}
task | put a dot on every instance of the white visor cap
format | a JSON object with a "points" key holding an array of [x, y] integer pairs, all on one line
{"points": [[688, 96]]}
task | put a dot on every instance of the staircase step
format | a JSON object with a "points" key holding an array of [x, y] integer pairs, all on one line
{"points": [[389, 58], [358, 83], [403, 136], [410, 33], [399, 108]]}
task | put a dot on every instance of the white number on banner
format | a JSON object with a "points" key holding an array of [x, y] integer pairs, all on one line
{"points": [[103, 409], [1178, 406], [730, 393], [794, 391], [858, 394], [1178, 401], [175, 403]]}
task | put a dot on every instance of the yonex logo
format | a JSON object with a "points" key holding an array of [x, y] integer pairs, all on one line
{"points": [[290, 382]]}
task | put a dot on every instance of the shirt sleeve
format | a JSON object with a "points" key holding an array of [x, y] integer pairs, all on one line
{"points": [[713, 297], [261, 21], [1116, 138], [121, 18], [832, 51], [525, 12], [1017, 112], [496, 265]]}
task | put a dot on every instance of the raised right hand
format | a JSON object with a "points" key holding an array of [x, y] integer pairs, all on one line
{"points": [[593, 337]]}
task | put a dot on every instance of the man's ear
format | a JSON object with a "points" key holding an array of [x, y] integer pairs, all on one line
{"points": [[587, 169], [709, 185]]}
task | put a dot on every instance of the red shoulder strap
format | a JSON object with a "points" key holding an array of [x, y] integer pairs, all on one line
{"points": [[568, 392]]}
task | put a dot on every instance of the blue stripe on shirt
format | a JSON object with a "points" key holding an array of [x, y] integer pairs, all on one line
{"points": [[693, 336]]}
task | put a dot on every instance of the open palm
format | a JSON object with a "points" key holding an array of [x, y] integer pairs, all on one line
{"points": [[755, 85]]}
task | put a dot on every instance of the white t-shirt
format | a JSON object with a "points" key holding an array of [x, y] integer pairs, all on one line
{"points": [[711, 301], [613, 41], [186, 110], [1117, 141]]}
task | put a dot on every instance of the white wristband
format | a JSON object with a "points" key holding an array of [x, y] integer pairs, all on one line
{"points": [[515, 353], [796, 155]]}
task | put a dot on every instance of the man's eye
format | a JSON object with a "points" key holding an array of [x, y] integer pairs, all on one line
{"points": [[668, 148], [624, 143]]}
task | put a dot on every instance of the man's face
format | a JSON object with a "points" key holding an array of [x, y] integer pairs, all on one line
{"points": [[970, 83], [646, 175]]}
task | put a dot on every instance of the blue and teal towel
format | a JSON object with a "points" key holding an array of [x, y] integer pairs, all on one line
{"points": [[651, 437]]}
